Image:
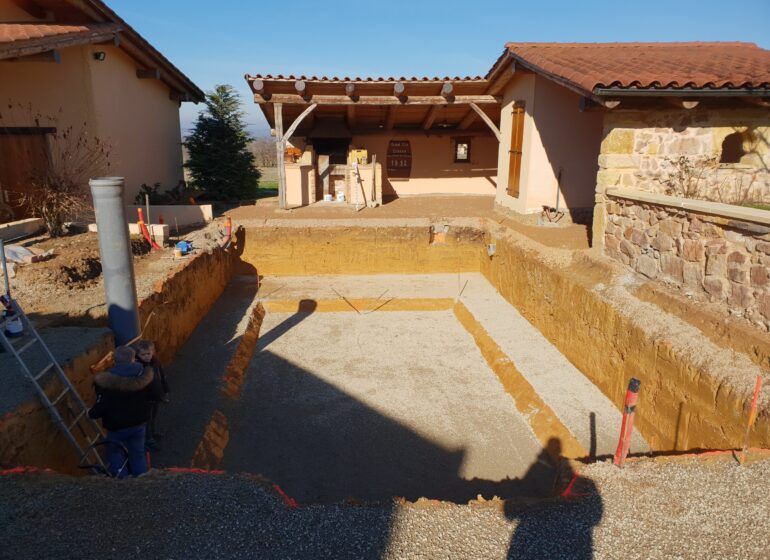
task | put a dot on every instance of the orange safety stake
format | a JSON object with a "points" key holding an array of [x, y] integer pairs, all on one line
{"points": [[145, 231], [627, 426], [752, 419]]}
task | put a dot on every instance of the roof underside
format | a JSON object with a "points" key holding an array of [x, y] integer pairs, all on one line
{"points": [[373, 104]]}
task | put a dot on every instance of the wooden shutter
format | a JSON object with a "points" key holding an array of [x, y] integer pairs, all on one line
{"points": [[514, 154]]}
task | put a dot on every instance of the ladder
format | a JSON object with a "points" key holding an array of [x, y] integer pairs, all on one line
{"points": [[67, 408]]}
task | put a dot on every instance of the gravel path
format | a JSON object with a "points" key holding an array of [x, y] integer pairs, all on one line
{"points": [[684, 508]]}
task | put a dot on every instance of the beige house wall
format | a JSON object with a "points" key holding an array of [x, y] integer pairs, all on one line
{"points": [[61, 93], [558, 137], [139, 121], [433, 167], [136, 117]]}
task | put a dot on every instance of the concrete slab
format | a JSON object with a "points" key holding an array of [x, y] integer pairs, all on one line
{"points": [[380, 405], [564, 388]]}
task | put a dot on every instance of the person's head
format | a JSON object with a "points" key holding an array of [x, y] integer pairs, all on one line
{"points": [[145, 350], [124, 355]]}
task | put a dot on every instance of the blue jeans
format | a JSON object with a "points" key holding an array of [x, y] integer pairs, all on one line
{"points": [[133, 439]]}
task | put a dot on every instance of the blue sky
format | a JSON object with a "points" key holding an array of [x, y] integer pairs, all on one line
{"points": [[218, 42]]}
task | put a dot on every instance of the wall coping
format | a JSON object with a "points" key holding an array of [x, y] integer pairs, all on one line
{"points": [[703, 206]]}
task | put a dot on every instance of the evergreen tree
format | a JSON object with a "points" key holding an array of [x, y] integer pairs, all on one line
{"points": [[219, 160]]}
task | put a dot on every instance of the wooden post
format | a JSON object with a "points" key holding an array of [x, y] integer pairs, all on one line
{"points": [[487, 120], [280, 148]]}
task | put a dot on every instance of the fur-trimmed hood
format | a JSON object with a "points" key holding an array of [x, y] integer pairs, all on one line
{"points": [[112, 382]]}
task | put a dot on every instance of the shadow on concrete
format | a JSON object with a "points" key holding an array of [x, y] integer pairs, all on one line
{"points": [[322, 445], [560, 528]]}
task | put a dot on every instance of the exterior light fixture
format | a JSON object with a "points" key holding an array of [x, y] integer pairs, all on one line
{"points": [[100, 55]]}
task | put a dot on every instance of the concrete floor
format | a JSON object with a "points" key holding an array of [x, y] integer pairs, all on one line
{"points": [[367, 406], [378, 405]]}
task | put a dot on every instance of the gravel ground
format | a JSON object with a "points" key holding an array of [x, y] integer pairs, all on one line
{"points": [[683, 508]]}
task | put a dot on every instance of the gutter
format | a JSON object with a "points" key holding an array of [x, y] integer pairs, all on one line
{"points": [[680, 92]]}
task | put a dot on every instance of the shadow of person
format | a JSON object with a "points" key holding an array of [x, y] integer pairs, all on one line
{"points": [[561, 527], [305, 308]]}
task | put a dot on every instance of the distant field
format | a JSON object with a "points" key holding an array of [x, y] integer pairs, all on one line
{"points": [[269, 175]]}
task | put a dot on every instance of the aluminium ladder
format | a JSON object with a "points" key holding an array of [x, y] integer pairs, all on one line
{"points": [[67, 407]]}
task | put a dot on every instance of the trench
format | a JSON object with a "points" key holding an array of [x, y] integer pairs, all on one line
{"points": [[359, 363]]}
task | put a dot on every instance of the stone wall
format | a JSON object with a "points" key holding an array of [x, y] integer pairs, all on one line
{"points": [[710, 256], [705, 153]]}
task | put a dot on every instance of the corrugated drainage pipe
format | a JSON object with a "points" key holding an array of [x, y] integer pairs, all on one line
{"points": [[117, 263]]}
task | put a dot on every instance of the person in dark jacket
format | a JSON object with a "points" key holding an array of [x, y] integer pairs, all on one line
{"points": [[124, 396], [145, 355]]}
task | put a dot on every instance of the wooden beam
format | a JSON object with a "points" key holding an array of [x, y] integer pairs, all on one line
{"points": [[258, 85], [25, 130], [351, 113], [297, 121], [399, 89], [350, 89], [611, 103], [430, 117], [46, 56], [35, 47], [486, 119], [293, 99], [280, 148], [468, 119], [500, 82], [446, 90], [390, 117], [148, 73], [179, 96], [682, 103], [301, 87], [758, 101]]}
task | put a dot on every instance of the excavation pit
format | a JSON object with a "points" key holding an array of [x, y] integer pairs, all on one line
{"points": [[372, 387]]}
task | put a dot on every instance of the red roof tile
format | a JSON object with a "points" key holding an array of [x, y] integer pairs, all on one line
{"points": [[335, 79], [13, 32], [647, 65]]}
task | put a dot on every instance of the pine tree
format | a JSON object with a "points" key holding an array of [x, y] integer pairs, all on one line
{"points": [[219, 160]]}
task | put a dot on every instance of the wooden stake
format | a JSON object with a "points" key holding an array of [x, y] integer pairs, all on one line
{"points": [[752, 419]]}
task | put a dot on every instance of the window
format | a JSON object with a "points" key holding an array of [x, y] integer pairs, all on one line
{"points": [[732, 148], [462, 150], [514, 154]]}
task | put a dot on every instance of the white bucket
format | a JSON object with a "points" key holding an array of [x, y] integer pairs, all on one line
{"points": [[14, 328], [340, 197], [328, 198]]}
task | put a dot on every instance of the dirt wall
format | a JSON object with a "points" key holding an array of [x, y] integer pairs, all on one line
{"points": [[277, 251], [681, 405], [28, 435], [687, 402]]}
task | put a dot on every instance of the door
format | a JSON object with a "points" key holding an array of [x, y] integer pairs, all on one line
{"points": [[23, 156], [515, 153]]}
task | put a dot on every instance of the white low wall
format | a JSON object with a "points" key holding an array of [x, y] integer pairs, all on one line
{"points": [[185, 215]]}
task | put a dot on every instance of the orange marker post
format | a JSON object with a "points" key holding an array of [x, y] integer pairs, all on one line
{"points": [[752, 419], [627, 425]]}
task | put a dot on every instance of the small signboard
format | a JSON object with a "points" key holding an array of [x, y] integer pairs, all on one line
{"points": [[399, 160]]}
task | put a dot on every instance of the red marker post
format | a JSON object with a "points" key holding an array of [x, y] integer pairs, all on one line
{"points": [[627, 426]]}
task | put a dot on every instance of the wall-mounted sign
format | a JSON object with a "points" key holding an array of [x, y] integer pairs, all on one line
{"points": [[399, 160]]}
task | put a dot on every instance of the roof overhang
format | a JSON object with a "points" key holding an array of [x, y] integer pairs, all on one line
{"points": [[59, 36], [370, 105], [96, 12]]}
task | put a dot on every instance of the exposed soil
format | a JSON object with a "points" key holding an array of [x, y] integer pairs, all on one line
{"points": [[567, 235], [67, 289]]}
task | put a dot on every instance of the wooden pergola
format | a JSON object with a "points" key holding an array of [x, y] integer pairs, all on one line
{"points": [[376, 105]]}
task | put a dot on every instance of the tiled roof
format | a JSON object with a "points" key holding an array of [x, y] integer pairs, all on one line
{"points": [[587, 66], [16, 32], [335, 79]]}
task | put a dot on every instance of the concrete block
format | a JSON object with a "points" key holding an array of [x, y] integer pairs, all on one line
{"points": [[185, 214], [159, 232], [20, 228]]}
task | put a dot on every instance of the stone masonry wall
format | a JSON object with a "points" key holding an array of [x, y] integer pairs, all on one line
{"points": [[643, 150], [707, 256]]}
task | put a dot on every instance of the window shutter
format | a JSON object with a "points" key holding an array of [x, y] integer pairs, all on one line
{"points": [[514, 154]]}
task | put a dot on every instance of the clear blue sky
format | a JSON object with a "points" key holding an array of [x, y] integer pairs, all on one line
{"points": [[219, 42]]}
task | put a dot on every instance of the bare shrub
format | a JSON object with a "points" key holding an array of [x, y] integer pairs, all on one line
{"points": [[59, 190]]}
